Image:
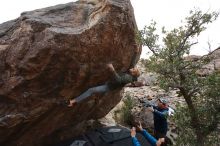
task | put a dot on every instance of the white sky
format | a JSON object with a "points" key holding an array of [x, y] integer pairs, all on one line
{"points": [[166, 13], [169, 13]]}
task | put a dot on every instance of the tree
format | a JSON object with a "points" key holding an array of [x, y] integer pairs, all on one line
{"points": [[198, 120]]}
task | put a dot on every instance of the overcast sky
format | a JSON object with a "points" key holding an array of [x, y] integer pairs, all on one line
{"points": [[167, 13]]}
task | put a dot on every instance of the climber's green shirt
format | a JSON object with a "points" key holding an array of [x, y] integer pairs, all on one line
{"points": [[120, 80]]}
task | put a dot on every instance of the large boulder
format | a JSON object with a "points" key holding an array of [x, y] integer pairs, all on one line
{"points": [[51, 54]]}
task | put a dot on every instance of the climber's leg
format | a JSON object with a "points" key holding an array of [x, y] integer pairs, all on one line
{"points": [[99, 89]]}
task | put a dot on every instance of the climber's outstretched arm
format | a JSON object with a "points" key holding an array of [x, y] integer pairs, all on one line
{"points": [[114, 73]]}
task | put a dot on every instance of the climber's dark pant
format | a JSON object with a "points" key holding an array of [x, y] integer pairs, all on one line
{"points": [[158, 135]]}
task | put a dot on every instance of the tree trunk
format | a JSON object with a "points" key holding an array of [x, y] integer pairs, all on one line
{"points": [[200, 138]]}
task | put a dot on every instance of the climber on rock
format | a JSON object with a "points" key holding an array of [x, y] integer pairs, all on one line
{"points": [[118, 80]]}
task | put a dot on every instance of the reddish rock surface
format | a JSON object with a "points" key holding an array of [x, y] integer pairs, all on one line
{"points": [[50, 54]]}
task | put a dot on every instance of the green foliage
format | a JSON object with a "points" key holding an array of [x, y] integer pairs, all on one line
{"points": [[198, 120], [148, 38], [126, 110], [186, 134]]}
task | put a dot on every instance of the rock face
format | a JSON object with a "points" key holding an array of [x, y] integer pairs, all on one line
{"points": [[51, 54], [211, 66]]}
